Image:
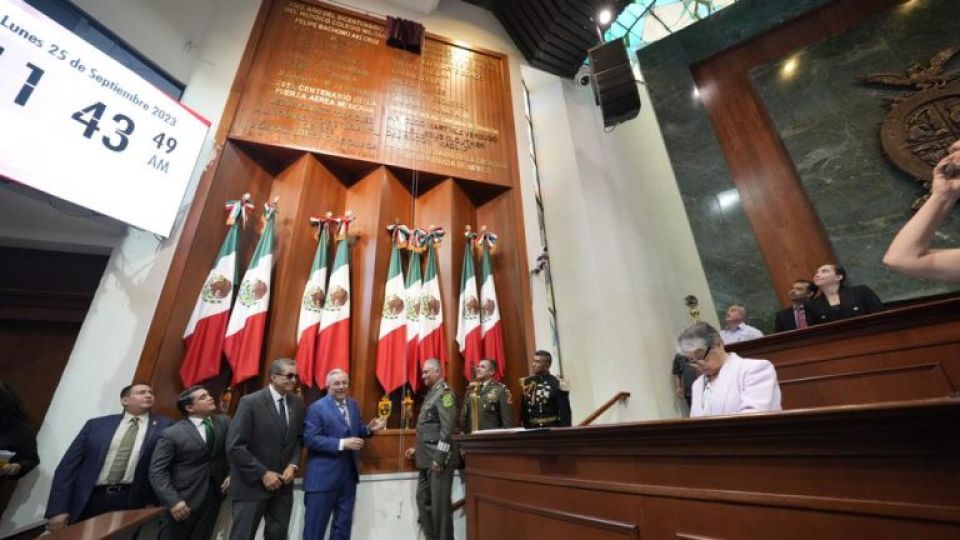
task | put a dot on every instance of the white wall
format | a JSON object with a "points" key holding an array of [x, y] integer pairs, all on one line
{"points": [[108, 347], [621, 248], [622, 252]]}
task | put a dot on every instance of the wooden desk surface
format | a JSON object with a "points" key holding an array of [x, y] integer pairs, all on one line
{"points": [[109, 525]]}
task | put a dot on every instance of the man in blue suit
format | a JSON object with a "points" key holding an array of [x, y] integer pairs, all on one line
{"points": [[106, 467], [333, 434]]}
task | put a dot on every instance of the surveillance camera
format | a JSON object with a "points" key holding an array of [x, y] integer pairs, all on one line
{"points": [[582, 78]]}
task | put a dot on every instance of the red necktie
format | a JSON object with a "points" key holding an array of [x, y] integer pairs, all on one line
{"points": [[800, 316]]}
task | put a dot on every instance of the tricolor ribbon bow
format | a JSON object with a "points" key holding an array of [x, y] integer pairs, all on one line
{"points": [[487, 237], [239, 208], [343, 224], [434, 235], [321, 223], [399, 233]]}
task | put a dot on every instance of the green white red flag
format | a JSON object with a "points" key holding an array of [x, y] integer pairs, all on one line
{"points": [[491, 331], [311, 306], [244, 336], [333, 341], [468, 311], [413, 289], [203, 337], [392, 343], [432, 335]]}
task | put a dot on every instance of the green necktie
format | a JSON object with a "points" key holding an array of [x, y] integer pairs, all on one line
{"points": [[211, 438], [118, 469]]}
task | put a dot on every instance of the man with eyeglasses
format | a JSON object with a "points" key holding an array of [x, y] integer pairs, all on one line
{"points": [[728, 384], [264, 443]]}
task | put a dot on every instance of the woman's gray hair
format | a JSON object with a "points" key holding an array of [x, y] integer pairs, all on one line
{"points": [[699, 336]]}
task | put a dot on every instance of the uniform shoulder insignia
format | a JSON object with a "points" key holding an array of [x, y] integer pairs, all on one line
{"points": [[447, 400]]}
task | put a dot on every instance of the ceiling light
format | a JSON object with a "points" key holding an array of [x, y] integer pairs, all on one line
{"points": [[604, 17]]}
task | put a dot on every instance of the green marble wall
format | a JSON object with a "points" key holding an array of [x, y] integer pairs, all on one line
{"points": [[727, 246], [830, 126]]}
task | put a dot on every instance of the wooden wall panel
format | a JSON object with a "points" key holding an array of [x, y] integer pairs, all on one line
{"points": [[900, 354], [163, 351], [378, 200], [448, 206], [789, 233], [512, 274], [846, 472], [305, 189], [310, 153], [326, 82]]}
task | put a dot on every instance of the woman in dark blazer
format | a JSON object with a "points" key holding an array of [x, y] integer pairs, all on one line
{"points": [[837, 300]]}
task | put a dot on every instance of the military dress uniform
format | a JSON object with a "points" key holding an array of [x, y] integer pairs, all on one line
{"points": [[545, 402], [487, 406], [435, 427]]}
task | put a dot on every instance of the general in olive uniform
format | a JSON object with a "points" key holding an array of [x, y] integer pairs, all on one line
{"points": [[487, 404], [436, 456], [546, 402]]}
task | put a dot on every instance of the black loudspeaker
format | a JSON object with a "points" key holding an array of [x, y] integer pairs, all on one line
{"points": [[614, 86]]}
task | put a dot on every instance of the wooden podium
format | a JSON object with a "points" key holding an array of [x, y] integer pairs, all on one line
{"points": [[872, 471]]}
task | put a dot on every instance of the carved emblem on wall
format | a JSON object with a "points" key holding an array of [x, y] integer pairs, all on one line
{"points": [[921, 123]]}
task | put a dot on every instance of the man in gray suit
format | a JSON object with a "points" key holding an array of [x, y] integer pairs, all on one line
{"points": [[436, 455], [188, 471], [264, 443]]}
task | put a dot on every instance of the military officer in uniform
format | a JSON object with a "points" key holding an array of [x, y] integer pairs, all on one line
{"points": [[546, 401], [487, 404], [435, 454]]}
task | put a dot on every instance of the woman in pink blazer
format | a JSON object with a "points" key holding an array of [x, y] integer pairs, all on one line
{"points": [[728, 384]]}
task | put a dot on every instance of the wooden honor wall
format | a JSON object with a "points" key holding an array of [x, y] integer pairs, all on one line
{"points": [[325, 116]]}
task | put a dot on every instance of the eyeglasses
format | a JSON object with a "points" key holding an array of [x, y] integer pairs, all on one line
{"points": [[287, 376], [700, 359]]}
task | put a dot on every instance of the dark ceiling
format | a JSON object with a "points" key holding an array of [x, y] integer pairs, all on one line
{"points": [[553, 35]]}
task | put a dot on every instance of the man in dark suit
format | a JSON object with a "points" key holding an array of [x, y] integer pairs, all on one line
{"points": [[333, 435], [106, 467], [264, 443], [188, 471], [799, 314]]}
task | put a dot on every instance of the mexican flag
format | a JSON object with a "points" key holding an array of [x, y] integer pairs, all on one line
{"points": [[491, 332], [432, 334], [412, 312], [203, 337], [311, 306], [468, 313], [393, 338], [333, 341], [244, 338]]}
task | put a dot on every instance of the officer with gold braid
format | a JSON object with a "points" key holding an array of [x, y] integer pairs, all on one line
{"points": [[436, 456], [488, 404]]}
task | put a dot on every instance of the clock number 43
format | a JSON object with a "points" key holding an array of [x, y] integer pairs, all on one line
{"points": [[90, 117]]}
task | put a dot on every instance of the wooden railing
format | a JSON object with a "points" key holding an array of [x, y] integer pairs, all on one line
{"points": [[603, 408]]}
